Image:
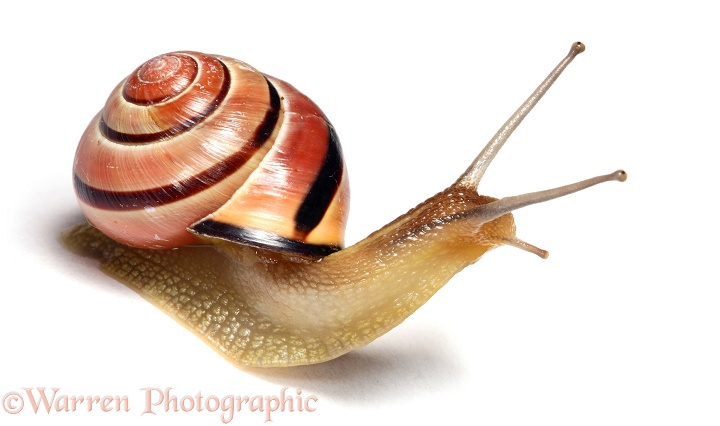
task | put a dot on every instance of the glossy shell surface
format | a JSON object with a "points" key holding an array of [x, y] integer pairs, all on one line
{"points": [[193, 144]]}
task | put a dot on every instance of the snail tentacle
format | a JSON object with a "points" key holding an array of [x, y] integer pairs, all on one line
{"points": [[472, 176], [490, 211]]}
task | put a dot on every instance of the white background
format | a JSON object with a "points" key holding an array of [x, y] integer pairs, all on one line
{"points": [[621, 325]]}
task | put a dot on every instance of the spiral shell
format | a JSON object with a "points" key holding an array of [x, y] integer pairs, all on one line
{"points": [[192, 144]]}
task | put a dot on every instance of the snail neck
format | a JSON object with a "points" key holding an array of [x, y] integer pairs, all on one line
{"points": [[441, 230], [369, 288]]}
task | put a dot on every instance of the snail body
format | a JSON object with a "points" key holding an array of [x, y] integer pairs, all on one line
{"points": [[288, 295]]}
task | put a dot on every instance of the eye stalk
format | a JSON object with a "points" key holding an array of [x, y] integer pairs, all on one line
{"points": [[472, 176]]}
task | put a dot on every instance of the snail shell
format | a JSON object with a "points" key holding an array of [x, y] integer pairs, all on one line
{"points": [[192, 145]]}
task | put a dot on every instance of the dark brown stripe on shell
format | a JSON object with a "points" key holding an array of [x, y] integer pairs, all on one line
{"points": [[121, 137], [322, 191], [266, 128], [261, 239], [154, 197]]}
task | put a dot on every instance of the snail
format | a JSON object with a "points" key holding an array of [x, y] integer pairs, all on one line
{"points": [[220, 194]]}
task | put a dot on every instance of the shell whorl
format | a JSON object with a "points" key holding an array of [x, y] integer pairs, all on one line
{"points": [[192, 144]]}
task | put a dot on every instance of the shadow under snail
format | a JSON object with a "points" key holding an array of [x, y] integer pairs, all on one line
{"points": [[220, 195]]}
